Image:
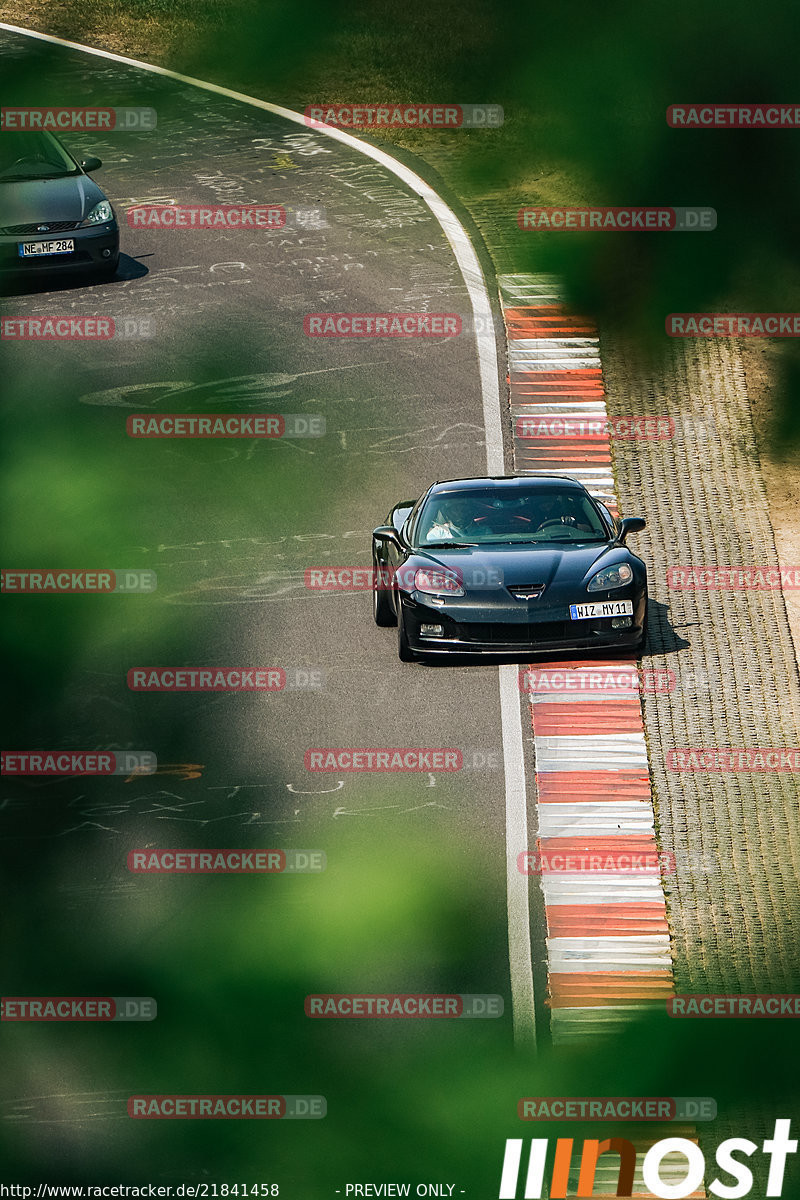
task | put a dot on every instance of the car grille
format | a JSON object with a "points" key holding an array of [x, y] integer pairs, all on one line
{"points": [[525, 591], [52, 227], [513, 634]]}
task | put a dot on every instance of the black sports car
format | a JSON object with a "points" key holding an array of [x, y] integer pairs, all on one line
{"points": [[508, 565], [52, 215]]}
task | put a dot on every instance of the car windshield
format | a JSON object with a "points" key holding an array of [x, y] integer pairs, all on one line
{"points": [[486, 516], [32, 155]]}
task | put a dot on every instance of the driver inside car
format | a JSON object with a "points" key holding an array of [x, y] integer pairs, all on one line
{"points": [[558, 509], [455, 520]]}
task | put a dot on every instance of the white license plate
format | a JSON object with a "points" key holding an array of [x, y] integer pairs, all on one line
{"points": [[33, 249], [601, 608]]}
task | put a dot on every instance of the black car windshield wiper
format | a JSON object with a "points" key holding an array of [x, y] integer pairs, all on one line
{"points": [[546, 541], [447, 545], [26, 177], [579, 541]]}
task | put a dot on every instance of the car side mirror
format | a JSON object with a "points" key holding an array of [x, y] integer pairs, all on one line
{"points": [[388, 533], [630, 525], [91, 164]]}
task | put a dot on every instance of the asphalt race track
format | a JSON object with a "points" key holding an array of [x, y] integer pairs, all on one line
{"points": [[406, 881], [230, 528]]}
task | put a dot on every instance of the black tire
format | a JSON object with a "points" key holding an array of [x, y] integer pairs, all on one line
{"points": [[404, 651], [381, 604], [641, 645]]}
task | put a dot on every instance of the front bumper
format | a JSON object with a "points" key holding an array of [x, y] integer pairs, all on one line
{"points": [[505, 630], [91, 244]]}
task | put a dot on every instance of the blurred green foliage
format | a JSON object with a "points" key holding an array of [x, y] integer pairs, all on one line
{"points": [[585, 89]]}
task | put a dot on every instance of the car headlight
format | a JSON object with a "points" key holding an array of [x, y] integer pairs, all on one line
{"points": [[437, 583], [610, 577], [100, 213]]}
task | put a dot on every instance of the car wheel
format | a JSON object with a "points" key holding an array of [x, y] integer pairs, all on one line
{"points": [[404, 651], [641, 645], [381, 604]]}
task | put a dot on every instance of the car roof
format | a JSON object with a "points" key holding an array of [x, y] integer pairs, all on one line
{"points": [[507, 482]]}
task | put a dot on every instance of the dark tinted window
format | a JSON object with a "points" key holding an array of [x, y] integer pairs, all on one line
{"points": [[32, 155], [486, 515]]}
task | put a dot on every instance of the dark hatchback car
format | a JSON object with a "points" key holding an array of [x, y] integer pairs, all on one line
{"points": [[53, 216], [508, 565]]}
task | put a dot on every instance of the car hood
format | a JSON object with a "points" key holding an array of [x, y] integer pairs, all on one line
{"points": [[547, 564], [29, 200]]}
